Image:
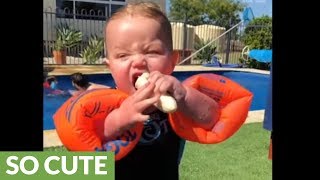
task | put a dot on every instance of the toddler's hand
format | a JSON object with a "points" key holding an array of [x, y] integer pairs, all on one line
{"points": [[135, 104], [165, 85]]}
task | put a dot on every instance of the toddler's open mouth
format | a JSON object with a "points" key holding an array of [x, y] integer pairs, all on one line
{"points": [[134, 81], [135, 78]]}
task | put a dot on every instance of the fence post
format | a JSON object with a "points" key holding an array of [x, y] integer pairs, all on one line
{"points": [[184, 37], [228, 47], [228, 42]]}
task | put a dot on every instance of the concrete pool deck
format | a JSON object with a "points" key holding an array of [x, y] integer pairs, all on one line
{"points": [[50, 137]]}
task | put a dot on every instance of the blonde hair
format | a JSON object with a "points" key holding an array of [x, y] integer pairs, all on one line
{"points": [[148, 10]]}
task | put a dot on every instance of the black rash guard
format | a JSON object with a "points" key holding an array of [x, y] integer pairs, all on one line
{"points": [[157, 154]]}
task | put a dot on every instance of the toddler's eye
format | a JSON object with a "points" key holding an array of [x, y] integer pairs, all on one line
{"points": [[121, 55], [153, 52]]}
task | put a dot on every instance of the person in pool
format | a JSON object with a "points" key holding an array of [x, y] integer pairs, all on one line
{"points": [[50, 86], [81, 83]]}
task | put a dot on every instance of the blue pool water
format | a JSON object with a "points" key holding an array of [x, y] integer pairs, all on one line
{"points": [[254, 82]]}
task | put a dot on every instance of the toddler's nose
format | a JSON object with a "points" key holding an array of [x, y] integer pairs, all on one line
{"points": [[139, 61]]}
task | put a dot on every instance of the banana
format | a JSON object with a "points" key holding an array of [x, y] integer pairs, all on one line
{"points": [[166, 103]]}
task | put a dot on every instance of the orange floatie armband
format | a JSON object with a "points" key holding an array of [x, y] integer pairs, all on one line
{"points": [[234, 102], [80, 120]]}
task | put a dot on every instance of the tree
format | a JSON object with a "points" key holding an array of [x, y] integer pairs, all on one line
{"points": [[187, 10], [223, 13], [258, 33]]}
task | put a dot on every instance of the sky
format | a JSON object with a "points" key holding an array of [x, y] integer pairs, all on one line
{"points": [[259, 7]]}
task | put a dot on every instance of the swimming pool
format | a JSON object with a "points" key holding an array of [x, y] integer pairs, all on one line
{"points": [[254, 82]]}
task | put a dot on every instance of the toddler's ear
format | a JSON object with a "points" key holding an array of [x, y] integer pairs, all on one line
{"points": [[107, 62]]}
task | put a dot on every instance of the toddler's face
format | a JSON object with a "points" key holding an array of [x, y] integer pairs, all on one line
{"points": [[135, 45]]}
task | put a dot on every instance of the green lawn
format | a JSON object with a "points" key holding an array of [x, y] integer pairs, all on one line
{"points": [[242, 156]]}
